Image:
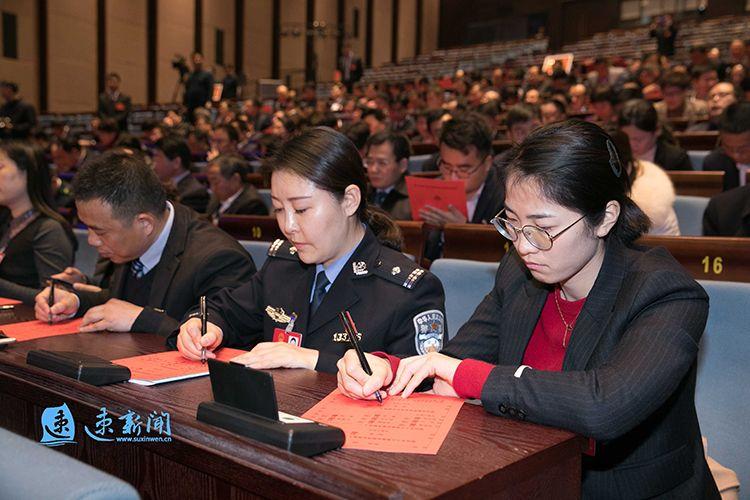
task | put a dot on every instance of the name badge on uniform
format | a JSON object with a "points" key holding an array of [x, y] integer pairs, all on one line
{"points": [[343, 337], [288, 335]]}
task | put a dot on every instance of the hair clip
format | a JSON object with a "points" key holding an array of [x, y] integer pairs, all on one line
{"points": [[614, 159]]}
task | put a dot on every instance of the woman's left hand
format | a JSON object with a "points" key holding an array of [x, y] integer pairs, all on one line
{"points": [[268, 355], [412, 371]]}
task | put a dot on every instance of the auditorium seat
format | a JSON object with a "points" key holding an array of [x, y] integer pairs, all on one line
{"points": [[31, 470], [708, 258], [414, 234], [701, 183], [416, 162], [86, 255], [689, 211], [722, 394], [251, 227], [697, 141], [480, 242], [258, 250], [265, 195], [466, 283], [696, 158]]}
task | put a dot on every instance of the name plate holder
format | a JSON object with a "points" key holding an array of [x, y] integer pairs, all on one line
{"points": [[84, 367], [245, 404]]}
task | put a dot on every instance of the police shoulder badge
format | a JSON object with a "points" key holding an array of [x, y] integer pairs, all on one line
{"points": [[429, 329], [359, 268]]}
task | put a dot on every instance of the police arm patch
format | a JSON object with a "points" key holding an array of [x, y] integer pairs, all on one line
{"points": [[429, 328]]}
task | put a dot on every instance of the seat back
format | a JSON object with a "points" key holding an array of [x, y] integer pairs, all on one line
{"points": [[265, 195], [416, 162], [479, 242], [415, 235], [697, 141], [692, 183], [86, 255], [466, 283], [31, 470], [251, 227], [708, 257], [689, 211], [258, 250], [722, 394]]}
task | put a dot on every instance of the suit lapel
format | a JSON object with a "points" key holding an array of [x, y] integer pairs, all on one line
{"points": [[523, 314], [170, 258], [591, 323]]}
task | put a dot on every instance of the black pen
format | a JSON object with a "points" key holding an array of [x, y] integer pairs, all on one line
{"points": [[204, 320], [351, 330], [51, 301]]}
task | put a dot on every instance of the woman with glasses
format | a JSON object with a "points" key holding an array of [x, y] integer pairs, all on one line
{"points": [[582, 330]]}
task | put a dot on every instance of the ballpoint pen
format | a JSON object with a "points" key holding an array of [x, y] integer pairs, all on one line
{"points": [[50, 301], [351, 330], [204, 320]]}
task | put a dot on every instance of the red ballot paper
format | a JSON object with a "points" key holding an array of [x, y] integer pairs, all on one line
{"points": [[8, 302], [170, 366], [417, 424], [436, 193], [30, 330]]}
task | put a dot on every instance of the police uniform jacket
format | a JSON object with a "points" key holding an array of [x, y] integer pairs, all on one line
{"points": [[397, 306], [628, 376]]}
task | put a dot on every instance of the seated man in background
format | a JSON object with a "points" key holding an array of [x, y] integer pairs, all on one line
{"points": [[728, 213], [676, 103], [165, 257], [230, 191], [466, 155], [387, 160], [552, 111], [720, 97], [173, 166], [733, 156]]}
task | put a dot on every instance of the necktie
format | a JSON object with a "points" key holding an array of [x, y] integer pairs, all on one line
{"points": [[321, 282], [136, 267], [380, 197]]}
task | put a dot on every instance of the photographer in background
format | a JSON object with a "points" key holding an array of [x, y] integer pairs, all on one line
{"points": [[198, 86]]}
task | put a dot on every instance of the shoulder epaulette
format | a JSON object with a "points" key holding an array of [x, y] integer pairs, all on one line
{"points": [[406, 274], [282, 249]]}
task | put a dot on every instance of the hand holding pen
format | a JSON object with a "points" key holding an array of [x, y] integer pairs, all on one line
{"points": [[351, 330], [204, 322]]}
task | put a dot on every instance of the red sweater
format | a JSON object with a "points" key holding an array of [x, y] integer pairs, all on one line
{"points": [[545, 350]]}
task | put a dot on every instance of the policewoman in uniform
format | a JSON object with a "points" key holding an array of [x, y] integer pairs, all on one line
{"points": [[583, 329], [339, 255]]}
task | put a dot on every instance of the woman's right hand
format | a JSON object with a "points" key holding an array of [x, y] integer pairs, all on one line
{"points": [[190, 342], [355, 383]]}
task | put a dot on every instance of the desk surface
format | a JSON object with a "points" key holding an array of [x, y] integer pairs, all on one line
{"points": [[482, 454]]}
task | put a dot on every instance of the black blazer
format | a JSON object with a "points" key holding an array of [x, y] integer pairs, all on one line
{"points": [[718, 160], [397, 306], [671, 157], [490, 202], [247, 203], [192, 193], [117, 109], [628, 377], [728, 213], [198, 259]]}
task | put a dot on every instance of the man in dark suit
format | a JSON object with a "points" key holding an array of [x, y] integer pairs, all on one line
{"points": [[173, 166], [466, 155], [728, 213], [17, 117], [198, 86], [165, 257], [387, 160], [113, 103], [671, 157], [351, 67], [230, 192], [733, 157]]}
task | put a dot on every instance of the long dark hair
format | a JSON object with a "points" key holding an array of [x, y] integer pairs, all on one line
{"points": [[331, 161], [31, 160], [578, 165]]}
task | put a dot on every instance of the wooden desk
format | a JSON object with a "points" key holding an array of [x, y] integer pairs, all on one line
{"points": [[483, 455], [697, 183]]}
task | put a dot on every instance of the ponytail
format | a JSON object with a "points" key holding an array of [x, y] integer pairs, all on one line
{"points": [[386, 231]]}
